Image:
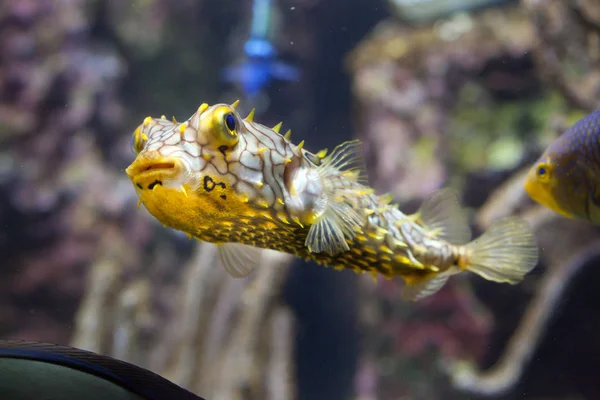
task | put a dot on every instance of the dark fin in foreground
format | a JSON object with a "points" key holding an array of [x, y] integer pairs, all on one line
{"points": [[138, 383]]}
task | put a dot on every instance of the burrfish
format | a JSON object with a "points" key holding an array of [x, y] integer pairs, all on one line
{"points": [[231, 181]]}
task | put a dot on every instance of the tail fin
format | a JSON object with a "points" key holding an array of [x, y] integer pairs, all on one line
{"points": [[504, 253]]}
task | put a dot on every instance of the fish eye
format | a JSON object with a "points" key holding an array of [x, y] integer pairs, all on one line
{"points": [[543, 172], [222, 127], [230, 124]]}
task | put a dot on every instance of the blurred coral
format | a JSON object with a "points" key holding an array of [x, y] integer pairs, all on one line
{"points": [[216, 332], [81, 264], [54, 79], [467, 101], [568, 52]]}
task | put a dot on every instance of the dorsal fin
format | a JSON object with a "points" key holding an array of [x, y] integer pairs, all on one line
{"points": [[443, 217]]}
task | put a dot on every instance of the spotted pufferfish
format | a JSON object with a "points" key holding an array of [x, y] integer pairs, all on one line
{"points": [[228, 180]]}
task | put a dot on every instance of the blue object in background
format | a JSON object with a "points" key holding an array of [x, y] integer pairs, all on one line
{"points": [[261, 63]]}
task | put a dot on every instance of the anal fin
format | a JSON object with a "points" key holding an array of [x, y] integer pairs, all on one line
{"points": [[427, 286], [239, 259], [443, 217]]}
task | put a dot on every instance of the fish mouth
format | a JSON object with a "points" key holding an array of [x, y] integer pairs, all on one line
{"points": [[147, 174], [543, 196], [159, 166]]}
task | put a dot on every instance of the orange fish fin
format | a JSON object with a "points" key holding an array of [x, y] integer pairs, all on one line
{"points": [[419, 289], [239, 259], [504, 253], [442, 215]]}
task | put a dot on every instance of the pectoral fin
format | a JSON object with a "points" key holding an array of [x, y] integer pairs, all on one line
{"points": [[593, 207], [340, 216], [592, 172]]}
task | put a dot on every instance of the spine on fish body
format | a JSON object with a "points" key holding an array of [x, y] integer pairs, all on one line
{"points": [[425, 248], [428, 247]]}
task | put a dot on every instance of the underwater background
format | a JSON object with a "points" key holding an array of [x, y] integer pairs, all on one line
{"points": [[463, 94]]}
